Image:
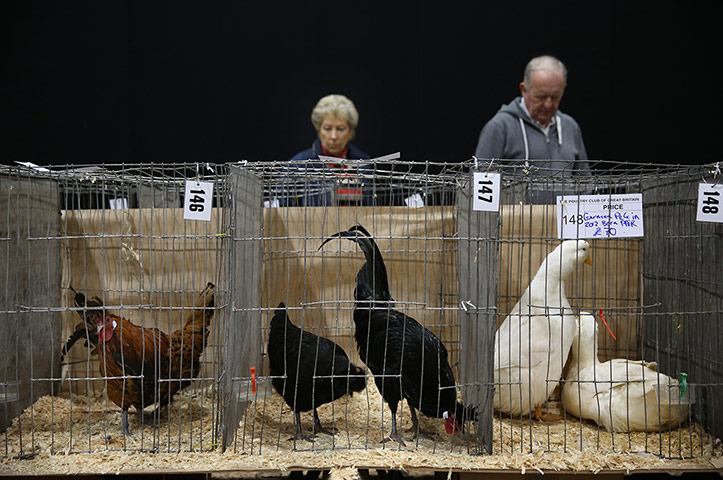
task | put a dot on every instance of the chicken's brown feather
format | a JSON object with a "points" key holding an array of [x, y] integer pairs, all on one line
{"points": [[134, 358], [188, 343]]}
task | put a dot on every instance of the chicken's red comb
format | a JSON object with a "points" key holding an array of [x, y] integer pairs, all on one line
{"points": [[606, 324]]}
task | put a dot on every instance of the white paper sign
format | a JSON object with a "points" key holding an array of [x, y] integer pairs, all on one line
{"points": [[600, 216], [33, 166], [486, 191], [415, 200], [361, 161], [198, 201], [710, 203], [118, 203]]}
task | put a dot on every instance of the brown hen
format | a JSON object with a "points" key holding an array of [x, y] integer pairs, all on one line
{"points": [[188, 342], [143, 366]]}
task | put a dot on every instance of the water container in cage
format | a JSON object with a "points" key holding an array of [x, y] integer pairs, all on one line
{"points": [[682, 393], [251, 389], [8, 392]]}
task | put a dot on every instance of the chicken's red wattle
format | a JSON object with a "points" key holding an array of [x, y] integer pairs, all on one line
{"points": [[106, 329], [451, 425]]}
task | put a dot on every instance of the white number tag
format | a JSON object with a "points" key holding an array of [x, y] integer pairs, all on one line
{"points": [[118, 203], [710, 203], [600, 216], [486, 191], [197, 204]]}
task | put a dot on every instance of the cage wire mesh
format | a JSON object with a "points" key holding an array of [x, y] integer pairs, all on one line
{"points": [[410, 213], [114, 235], [626, 384], [456, 271]]}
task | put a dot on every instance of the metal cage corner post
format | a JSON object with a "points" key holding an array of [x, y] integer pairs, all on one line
{"points": [[477, 276], [683, 287], [242, 336], [30, 262]]}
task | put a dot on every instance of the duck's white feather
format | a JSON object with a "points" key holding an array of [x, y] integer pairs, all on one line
{"points": [[621, 395], [533, 342]]}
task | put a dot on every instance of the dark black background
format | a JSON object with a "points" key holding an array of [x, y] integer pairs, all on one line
{"points": [[180, 81]]}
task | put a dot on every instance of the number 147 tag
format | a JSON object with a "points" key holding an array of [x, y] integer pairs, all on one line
{"points": [[198, 200], [486, 191]]}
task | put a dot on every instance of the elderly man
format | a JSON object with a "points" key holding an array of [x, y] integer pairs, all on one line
{"points": [[532, 128]]}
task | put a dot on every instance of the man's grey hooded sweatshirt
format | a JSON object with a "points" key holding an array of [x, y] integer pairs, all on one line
{"points": [[512, 136]]}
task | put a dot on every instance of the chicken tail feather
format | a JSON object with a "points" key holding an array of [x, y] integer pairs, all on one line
{"points": [[82, 302], [200, 317], [79, 333], [78, 297]]}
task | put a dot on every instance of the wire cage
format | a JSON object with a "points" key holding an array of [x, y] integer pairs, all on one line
{"points": [[459, 272], [423, 220], [640, 374], [410, 210], [86, 245]]}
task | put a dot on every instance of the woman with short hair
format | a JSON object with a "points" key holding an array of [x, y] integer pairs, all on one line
{"points": [[317, 179]]}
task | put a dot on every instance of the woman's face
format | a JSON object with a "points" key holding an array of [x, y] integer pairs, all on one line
{"points": [[334, 133]]}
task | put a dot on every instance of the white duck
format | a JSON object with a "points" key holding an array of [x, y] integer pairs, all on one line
{"points": [[621, 395], [533, 342]]}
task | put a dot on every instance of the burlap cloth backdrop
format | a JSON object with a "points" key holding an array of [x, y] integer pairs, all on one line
{"points": [[153, 264]]}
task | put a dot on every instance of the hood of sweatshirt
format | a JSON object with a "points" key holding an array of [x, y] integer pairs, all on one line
{"points": [[515, 109]]}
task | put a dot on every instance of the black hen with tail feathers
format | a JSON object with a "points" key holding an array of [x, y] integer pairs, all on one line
{"points": [[394, 345], [302, 356]]}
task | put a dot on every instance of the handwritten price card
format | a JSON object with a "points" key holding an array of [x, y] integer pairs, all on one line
{"points": [[600, 216]]}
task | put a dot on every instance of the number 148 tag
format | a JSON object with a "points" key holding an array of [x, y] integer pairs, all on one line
{"points": [[198, 200], [710, 203]]}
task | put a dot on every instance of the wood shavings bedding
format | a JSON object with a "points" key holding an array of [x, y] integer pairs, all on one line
{"points": [[91, 442]]}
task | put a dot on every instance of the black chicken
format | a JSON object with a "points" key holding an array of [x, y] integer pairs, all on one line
{"points": [[316, 370], [407, 360]]}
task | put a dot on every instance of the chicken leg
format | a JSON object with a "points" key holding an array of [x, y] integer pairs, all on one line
{"points": [[299, 434], [394, 435], [319, 429], [126, 430], [142, 420], [418, 432]]}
